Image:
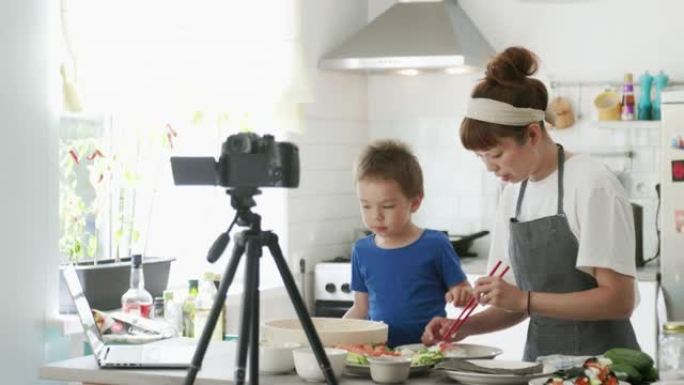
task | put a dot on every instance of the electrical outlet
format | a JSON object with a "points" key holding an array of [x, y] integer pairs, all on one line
{"points": [[643, 185]]}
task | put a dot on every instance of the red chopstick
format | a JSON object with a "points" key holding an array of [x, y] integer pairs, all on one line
{"points": [[470, 306]]}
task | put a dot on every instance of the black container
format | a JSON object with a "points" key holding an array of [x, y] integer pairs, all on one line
{"points": [[638, 212], [462, 243], [105, 283]]}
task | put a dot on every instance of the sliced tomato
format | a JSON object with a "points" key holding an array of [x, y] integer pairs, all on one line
{"points": [[582, 380]]}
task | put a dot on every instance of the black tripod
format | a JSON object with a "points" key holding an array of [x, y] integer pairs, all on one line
{"points": [[252, 240]]}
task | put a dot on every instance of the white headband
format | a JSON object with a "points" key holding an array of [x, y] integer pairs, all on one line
{"points": [[494, 111]]}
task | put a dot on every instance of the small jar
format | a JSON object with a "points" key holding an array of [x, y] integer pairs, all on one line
{"points": [[671, 351]]}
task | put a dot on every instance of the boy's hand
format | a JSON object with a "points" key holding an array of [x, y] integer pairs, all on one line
{"points": [[435, 331], [459, 295]]}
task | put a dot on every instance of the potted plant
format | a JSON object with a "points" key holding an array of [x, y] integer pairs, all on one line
{"points": [[97, 200]]}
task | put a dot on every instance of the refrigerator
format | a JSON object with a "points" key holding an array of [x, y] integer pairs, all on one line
{"points": [[672, 203]]}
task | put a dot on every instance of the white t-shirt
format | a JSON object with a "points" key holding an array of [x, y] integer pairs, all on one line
{"points": [[596, 206]]}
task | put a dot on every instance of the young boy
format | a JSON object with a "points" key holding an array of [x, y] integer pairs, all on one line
{"points": [[402, 275]]}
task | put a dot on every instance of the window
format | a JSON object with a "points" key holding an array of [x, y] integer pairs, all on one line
{"points": [[147, 80]]}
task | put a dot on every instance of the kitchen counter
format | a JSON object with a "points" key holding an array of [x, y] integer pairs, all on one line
{"points": [[217, 370]]}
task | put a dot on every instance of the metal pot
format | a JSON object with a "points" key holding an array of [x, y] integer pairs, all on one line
{"points": [[462, 243]]}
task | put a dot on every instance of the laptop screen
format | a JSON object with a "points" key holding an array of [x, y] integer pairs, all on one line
{"points": [[85, 314]]}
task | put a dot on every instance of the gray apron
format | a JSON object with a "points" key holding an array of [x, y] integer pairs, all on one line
{"points": [[543, 255]]}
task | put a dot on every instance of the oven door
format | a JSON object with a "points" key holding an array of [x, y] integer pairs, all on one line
{"points": [[334, 309]]}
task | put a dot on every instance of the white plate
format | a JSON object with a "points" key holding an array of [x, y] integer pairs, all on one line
{"points": [[469, 351], [364, 370], [472, 378], [542, 380]]}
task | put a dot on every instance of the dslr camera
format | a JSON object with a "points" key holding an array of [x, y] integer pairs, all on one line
{"points": [[246, 160]]}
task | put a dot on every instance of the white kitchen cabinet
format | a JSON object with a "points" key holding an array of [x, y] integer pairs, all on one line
{"points": [[512, 340]]}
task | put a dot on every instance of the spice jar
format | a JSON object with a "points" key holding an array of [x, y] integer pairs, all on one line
{"points": [[671, 351]]}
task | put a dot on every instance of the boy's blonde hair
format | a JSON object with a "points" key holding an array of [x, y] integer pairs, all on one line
{"points": [[391, 160]]}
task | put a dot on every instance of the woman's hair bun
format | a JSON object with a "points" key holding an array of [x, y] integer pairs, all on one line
{"points": [[512, 66]]}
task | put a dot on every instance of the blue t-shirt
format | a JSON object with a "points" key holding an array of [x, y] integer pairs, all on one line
{"points": [[406, 286]]}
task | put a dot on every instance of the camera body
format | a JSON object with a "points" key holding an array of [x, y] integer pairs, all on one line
{"points": [[246, 160]]}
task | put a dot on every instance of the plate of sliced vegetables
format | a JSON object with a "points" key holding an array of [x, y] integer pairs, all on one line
{"points": [[456, 350], [358, 364], [594, 371], [422, 357]]}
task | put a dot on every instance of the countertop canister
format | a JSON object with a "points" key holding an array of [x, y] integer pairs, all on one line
{"points": [[671, 352]]}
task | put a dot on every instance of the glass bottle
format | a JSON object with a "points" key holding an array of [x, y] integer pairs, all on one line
{"points": [[137, 300], [671, 352], [628, 98], [173, 314], [189, 309], [222, 317], [203, 305]]}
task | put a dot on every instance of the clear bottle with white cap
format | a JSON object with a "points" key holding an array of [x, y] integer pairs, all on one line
{"points": [[671, 352]]}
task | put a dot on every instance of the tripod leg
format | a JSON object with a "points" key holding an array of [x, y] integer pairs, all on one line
{"points": [[246, 317], [254, 322], [203, 342], [302, 313]]}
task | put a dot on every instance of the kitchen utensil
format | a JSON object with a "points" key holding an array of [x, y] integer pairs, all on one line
{"points": [[332, 331], [608, 105], [307, 366], [470, 306], [560, 113], [389, 369]]}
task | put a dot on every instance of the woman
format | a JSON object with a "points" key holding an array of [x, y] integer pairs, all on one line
{"points": [[564, 225]]}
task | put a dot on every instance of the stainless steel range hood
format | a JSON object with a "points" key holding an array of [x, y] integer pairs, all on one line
{"points": [[414, 35]]}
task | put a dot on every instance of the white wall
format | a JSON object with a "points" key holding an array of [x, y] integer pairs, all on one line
{"points": [[323, 212], [28, 165]]}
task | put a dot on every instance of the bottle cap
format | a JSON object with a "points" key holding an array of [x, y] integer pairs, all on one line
{"points": [[629, 77], [193, 283], [673, 327]]}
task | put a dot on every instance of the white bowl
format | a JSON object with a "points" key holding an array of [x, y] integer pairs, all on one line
{"points": [[276, 357], [389, 369], [331, 331], [307, 365]]}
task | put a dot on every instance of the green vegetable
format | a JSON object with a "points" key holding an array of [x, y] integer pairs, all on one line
{"points": [[638, 360], [651, 374], [355, 358], [426, 357], [633, 374]]}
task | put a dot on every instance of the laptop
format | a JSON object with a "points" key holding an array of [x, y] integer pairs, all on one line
{"points": [[123, 356]]}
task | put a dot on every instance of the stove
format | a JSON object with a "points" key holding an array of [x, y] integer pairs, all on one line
{"points": [[332, 289]]}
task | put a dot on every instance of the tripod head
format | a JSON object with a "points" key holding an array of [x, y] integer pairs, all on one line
{"points": [[242, 200]]}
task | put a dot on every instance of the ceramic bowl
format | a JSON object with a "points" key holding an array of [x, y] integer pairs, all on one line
{"points": [[331, 331], [389, 370], [307, 365], [276, 357]]}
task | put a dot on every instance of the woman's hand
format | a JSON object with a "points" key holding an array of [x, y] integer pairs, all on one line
{"points": [[497, 292], [436, 329]]}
